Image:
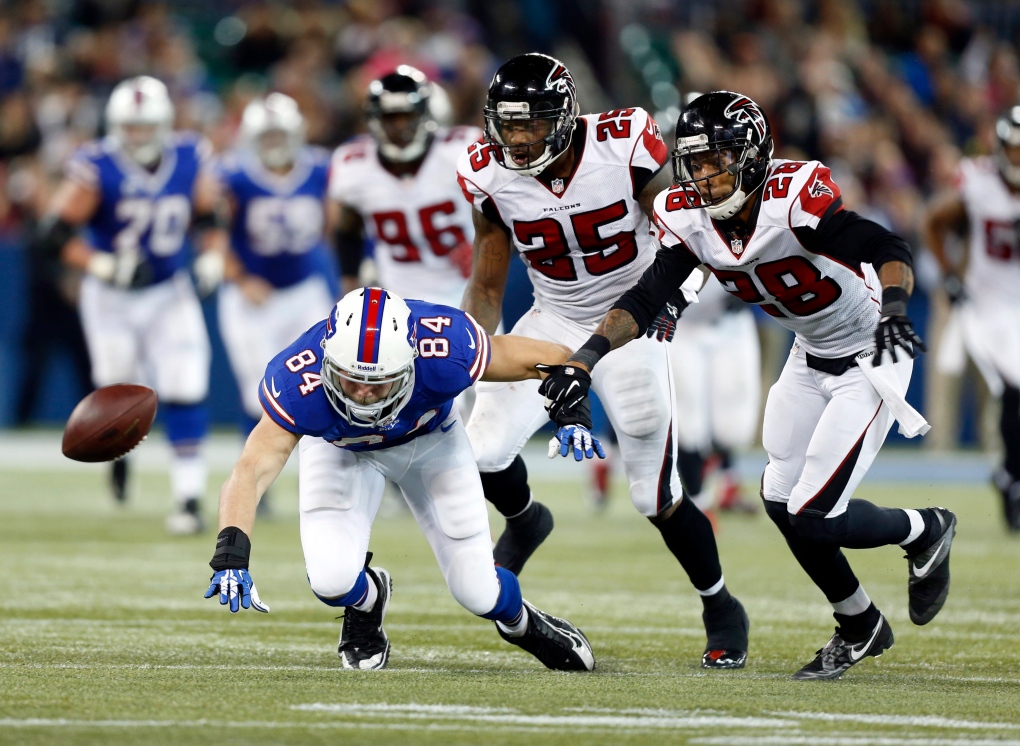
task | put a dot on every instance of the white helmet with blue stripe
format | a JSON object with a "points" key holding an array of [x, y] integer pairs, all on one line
{"points": [[139, 116], [369, 340]]}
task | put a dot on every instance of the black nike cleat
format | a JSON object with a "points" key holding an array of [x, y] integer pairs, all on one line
{"points": [[364, 645], [838, 654], [522, 536], [1009, 489], [928, 585], [557, 643], [727, 630]]}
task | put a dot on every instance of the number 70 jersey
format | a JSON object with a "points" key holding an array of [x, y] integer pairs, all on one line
{"points": [[828, 301]]}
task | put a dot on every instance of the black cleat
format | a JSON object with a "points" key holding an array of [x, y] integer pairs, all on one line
{"points": [[928, 585], [364, 645], [838, 654], [1009, 490], [557, 643], [522, 536], [727, 630], [118, 480]]}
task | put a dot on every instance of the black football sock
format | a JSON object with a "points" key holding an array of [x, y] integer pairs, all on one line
{"points": [[688, 534], [825, 564], [858, 628], [508, 490], [691, 465], [1009, 427]]}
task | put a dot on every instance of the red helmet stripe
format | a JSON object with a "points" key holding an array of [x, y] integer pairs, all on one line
{"points": [[371, 322]]}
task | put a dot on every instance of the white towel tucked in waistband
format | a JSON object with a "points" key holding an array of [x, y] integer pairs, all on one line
{"points": [[887, 384]]}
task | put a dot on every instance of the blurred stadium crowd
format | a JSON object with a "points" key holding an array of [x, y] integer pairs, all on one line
{"points": [[888, 94]]}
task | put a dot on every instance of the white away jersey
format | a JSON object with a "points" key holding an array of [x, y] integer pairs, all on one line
{"points": [[416, 221], [993, 259], [831, 306], [585, 240]]}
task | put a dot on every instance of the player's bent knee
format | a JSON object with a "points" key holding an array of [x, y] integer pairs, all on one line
{"points": [[818, 529], [332, 584], [472, 582]]}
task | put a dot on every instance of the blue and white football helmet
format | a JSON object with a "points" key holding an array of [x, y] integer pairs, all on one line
{"points": [[369, 340]]}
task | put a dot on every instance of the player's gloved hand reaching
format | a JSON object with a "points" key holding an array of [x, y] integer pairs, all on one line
{"points": [[576, 438], [663, 326], [231, 579], [895, 328], [566, 400]]}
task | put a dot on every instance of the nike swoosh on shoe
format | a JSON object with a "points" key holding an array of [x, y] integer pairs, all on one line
{"points": [[857, 651], [923, 570]]}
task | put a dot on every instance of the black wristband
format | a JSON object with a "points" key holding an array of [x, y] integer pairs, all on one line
{"points": [[206, 220], [894, 301], [233, 548], [596, 348]]}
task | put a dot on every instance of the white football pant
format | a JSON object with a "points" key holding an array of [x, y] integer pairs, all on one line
{"points": [[822, 433], [155, 336], [635, 385], [340, 492], [717, 370]]}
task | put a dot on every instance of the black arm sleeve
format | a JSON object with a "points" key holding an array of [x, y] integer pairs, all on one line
{"points": [[672, 265], [350, 248], [641, 177], [52, 234], [492, 215], [847, 237]]}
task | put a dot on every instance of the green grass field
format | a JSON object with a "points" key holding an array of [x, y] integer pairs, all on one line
{"points": [[105, 636]]}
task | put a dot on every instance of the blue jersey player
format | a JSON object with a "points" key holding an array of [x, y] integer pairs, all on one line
{"points": [[371, 388], [275, 188], [123, 216]]}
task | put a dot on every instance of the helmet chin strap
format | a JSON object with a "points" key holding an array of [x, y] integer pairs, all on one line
{"points": [[728, 207]]}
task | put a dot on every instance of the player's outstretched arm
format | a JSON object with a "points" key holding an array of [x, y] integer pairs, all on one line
{"points": [[490, 264], [264, 455], [73, 205], [266, 451], [348, 230], [895, 328], [208, 224], [515, 358]]}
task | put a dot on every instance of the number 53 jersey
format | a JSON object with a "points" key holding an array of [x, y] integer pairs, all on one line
{"points": [[789, 265], [453, 353], [584, 238]]}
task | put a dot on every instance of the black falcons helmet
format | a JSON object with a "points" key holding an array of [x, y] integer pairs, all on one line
{"points": [[733, 128], [531, 87], [405, 90], [1007, 132]]}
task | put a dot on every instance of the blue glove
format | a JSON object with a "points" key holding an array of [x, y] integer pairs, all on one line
{"points": [[579, 438], [236, 588]]}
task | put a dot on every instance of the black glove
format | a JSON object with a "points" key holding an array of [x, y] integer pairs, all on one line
{"points": [[663, 326], [566, 394], [894, 328], [953, 287]]}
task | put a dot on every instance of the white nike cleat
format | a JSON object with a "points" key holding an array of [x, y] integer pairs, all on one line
{"points": [[928, 585], [838, 654]]}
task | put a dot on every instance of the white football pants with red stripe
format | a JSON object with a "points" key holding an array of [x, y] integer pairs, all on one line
{"points": [[822, 433], [635, 385]]}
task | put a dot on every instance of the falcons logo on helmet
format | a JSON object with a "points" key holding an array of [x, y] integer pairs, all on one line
{"points": [[560, 80], [746, 111]]}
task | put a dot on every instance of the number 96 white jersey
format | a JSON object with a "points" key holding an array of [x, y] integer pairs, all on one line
{"points": [[585, 238], [832, 305], [417, 221]]}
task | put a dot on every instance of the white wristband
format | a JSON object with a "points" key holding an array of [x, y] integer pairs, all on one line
{"points": [[102, 265]]}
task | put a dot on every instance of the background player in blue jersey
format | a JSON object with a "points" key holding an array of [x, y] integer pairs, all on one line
{"points": [[371, 388], [275, 188], [138, 193]]}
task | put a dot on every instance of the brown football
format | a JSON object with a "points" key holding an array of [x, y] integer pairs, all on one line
{"points": [[109, 422]]}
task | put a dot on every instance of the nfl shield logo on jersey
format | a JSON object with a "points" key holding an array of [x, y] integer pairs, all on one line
{"points": [[557, 186], [736, 246]]}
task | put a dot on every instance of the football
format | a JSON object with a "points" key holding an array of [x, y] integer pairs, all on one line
{"points": [[109, 422]]}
